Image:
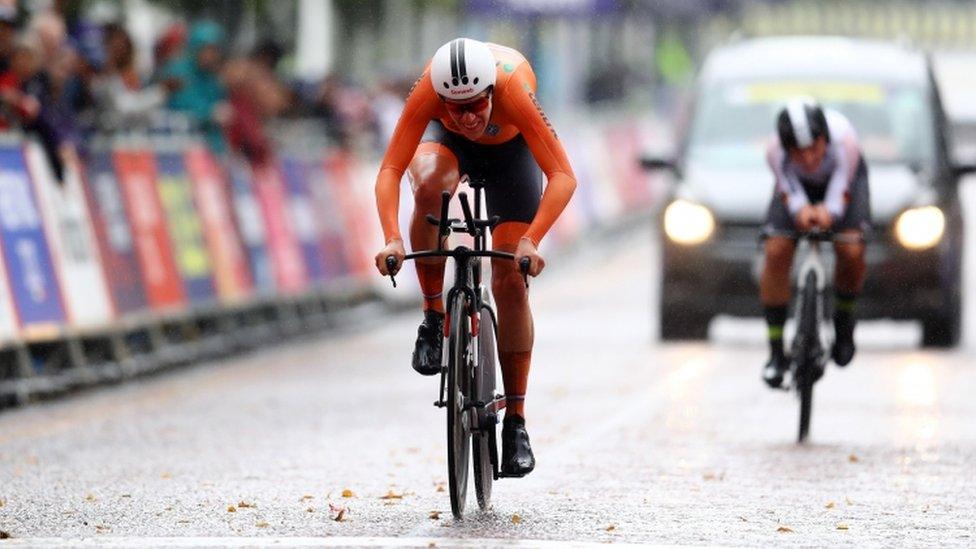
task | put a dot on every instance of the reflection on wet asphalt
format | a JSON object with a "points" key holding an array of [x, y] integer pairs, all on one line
{"points": [[636, 441]]}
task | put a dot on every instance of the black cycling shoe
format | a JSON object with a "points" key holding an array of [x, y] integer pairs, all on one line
{"points": [[843, 349], [775, 368], [427, 351], [517, 458]]}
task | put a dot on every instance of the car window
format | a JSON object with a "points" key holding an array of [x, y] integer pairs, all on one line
{"points": [[734, 120]]}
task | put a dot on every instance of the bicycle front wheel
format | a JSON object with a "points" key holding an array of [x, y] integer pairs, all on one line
{"points": [[483, 443], [458, 431], [806, 376]]}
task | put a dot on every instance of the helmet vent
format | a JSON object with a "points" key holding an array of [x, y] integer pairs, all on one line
{"points": [[464, 80], [454, 81], [475, 81]]}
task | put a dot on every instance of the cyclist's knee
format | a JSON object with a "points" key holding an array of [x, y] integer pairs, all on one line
{"points": [[779, 253], [850, 254], [507, 285], [430, 175]]}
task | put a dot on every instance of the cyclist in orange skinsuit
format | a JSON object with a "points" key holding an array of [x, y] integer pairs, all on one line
{"points": [[474, 112]]}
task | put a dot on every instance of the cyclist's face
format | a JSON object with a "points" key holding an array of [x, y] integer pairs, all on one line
{"points": [[471, 116], [809, 158]]}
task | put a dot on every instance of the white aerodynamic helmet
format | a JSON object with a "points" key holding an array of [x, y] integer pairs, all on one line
{"points": [[462, 68]]}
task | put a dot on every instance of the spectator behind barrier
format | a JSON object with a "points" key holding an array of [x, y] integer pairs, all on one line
{"points": [[245, 129], [19, 108], [60, 91], [122, 101], [201, 94]]}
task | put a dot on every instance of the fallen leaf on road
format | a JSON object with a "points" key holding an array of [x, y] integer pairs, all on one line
{"points": [[848, 501], [2, 502], [310, 510], [307, 497], [743, 519], [122, 496], [245, 505], [231, 509], [347, 493], [4, 535], [516, 519], [262, 524], [100, 528], [338, 513], [434, 515], [611, 528], [830, 505], [166, 475], [853, 459], [842, 526], [392, 495], [440, 487], [784, 530]]}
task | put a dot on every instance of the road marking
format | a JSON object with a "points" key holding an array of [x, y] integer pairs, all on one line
{"points": [[304, 542]]}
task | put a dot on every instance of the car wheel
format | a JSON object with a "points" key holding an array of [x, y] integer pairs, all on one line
{"points": [[942, 329], [680, 323]]}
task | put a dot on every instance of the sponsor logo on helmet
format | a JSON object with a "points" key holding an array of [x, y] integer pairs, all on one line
{"points": [[461, 91]]}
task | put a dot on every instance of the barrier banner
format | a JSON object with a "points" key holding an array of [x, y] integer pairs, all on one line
{"points": [[251, 226], [185, 228], [115, 239], [72, 241], [331, 221], [8, 319], [212, 195], [286, 254], [304, 220], [29, 268], [357, 216], [136, 171], [634, 183]]}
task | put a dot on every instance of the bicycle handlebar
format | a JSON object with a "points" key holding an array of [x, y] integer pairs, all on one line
{"points": [[815, 236], [392, 265]]}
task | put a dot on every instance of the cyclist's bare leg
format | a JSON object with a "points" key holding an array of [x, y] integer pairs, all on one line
{"points": [[774, 284], [848, 280], [774, 292], [433, 170], [851, 267], [515, 328]]}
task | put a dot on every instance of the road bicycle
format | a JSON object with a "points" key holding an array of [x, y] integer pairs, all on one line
{"points": [[468, 365], [808, 350]]}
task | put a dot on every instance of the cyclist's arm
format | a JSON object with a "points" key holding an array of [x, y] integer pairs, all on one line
{"points": [[548, 151], [848, 156], [786, 184], [420, 109]]}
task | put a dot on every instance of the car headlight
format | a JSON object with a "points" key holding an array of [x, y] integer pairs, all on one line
{"points": [[688, 223], [920, 228]]}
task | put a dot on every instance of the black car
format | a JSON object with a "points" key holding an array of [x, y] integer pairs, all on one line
{"points": [[710, 225]]}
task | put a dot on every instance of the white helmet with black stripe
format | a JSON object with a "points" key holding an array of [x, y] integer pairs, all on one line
{"points": [[800, 123], [462, 68]]}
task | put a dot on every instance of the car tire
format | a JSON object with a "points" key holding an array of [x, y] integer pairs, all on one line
{"points": [[679, 323], [941, 330]]}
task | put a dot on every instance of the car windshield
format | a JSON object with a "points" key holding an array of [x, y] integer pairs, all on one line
{"points": [[734, 120]]}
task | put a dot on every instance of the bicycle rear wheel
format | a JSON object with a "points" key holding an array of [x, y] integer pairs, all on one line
{"points": [[807, 354], [483, 443], [458, 431]]}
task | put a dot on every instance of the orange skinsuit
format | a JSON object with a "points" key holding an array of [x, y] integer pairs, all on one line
{"points": [[514, 110]]}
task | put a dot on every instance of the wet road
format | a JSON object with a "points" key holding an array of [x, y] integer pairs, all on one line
{"points": [[636, 441]]}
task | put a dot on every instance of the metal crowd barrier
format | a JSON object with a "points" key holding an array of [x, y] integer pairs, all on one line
{"points": [[151, 252]]}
